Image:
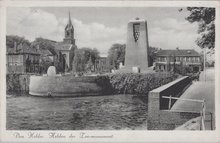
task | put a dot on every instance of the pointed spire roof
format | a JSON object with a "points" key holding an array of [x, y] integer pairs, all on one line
{"points": [[70, 22], [69, 25]]}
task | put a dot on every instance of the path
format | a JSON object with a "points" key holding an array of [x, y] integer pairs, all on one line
{"points": [[202, 89]]}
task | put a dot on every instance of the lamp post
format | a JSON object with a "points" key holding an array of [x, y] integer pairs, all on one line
{"points": [[204, 64]]}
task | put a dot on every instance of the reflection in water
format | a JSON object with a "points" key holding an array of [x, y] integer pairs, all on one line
{"points": [[115, 112]]}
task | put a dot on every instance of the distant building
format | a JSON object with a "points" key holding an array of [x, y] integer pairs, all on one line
{"points": [[47, 58], [29, 59], [23, 58], [59, 54], [169, 60], [67, 47], [46, 55], [101, 65]]}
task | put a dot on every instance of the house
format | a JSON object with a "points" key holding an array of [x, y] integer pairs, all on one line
{"points": [[171, 60], [46, 55], [102, 65], [22, 58]]}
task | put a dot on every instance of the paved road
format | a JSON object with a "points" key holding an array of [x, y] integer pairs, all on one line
{"points": [[202, 89]]}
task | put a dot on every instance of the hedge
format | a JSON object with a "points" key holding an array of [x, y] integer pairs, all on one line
{"points": [[130, 83]]}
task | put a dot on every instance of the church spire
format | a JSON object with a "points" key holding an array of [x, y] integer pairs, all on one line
{"points": [[70, 22], [69, 32]]}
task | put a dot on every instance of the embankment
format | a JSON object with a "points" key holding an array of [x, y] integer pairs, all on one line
{"points": [[159, 116], [98, 85]]}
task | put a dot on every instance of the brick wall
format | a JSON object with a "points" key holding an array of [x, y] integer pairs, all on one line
{"points": [[159, 118]]}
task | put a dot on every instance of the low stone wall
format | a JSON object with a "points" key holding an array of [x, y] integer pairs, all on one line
{"points": [[158, 115], [64, 86], [18, 83]]}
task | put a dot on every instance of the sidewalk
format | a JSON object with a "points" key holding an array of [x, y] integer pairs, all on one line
{"points": [[202, 89]]}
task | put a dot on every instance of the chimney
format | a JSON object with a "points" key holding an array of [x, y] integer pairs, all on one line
{"points": [[15, 46]]}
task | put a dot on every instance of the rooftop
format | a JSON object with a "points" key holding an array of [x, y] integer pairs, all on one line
{"points": [[63, 46], [178, 52], [22, 49]]}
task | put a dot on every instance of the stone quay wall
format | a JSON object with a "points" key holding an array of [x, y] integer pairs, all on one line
{"points": [[17, 83], [159, 118], [64, 86]]}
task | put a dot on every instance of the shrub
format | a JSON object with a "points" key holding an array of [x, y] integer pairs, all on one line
{"points": [[131, 83], [104, 82], [12, 82]]}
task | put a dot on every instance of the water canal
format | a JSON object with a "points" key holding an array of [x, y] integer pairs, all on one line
{"points": [[115, 112]]}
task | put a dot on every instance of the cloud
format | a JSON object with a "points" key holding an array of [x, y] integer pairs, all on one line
{"points": [[31, 23], [38, 23], [175, 25], [170, 33], [165, 33], [96, 35]]}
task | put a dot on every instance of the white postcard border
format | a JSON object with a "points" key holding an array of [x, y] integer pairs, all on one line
{"points": [[107, 136]]}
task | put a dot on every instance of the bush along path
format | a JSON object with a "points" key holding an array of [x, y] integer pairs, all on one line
{"points": [[130, 83]]}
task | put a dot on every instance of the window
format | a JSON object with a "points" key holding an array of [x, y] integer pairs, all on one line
{"points": [[187, 59], [177, 59], [158, 59], [192, 59], [10, 58]]}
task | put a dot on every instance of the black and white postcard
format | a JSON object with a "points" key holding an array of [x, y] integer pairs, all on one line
{"points": [[109, 71]]}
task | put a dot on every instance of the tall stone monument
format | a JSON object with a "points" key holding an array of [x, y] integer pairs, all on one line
{"points": [[136, 54]]}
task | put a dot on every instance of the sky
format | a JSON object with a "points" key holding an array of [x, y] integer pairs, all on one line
{"points": [[100, 27]]}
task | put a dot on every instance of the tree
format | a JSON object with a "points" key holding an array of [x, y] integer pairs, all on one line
{"points": [[89, 65], [78, 62], [10, 39], [152, 54], [205, 17], [116, 55], [44, 44], [83, 58]]}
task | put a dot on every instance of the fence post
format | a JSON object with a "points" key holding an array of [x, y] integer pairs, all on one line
{"points": [[203, 115], [170, 102]]}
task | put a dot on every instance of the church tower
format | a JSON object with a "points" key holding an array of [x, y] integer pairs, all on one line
{"points": [[69, 33]]}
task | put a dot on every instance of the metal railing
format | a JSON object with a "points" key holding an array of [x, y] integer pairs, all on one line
{"points": [[202, 111]]}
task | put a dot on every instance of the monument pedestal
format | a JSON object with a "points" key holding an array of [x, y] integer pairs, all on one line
{"points": [[136, 54], [131, 70]]}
